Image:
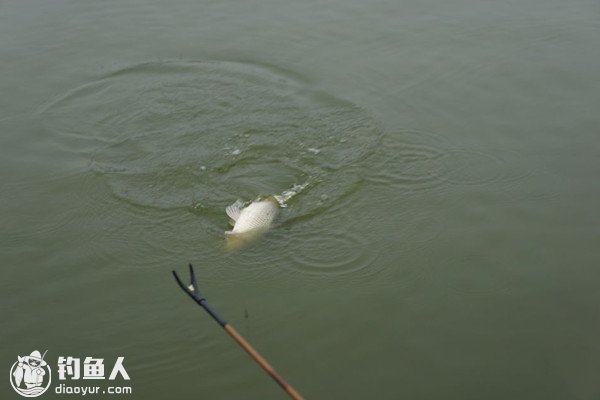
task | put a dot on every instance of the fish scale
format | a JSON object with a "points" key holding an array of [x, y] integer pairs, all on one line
{"points": [[258, 215]]}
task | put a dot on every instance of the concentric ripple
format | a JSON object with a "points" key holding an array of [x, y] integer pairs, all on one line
{"points": [[177, 134], [419, 160], [338, 254], [330, 247], [409, 160]]}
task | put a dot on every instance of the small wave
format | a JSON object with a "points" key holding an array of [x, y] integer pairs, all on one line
{"points": [[170, 134], [32, 392], [419, 160]]}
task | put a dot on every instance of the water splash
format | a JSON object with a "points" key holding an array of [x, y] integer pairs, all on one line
{"points": [[288, 194]]}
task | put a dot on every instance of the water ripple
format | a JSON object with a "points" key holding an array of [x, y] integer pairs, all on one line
{"points": [[419, 160], [171, 133], [337, 253], [408, 160]]}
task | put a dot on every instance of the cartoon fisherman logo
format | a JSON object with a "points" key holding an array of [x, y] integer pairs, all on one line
{"points": [[30, 375]]}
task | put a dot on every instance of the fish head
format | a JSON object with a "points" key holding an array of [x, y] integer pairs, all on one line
{"points": [[269, 198]]}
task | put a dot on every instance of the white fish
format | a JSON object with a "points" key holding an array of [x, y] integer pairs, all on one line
{"points": [[250, 222]]}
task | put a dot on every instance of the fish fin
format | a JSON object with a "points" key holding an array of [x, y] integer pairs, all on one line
{"points": [[234, 210], [18, 374]]}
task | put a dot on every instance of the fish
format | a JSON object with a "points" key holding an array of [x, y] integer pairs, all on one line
{"points": [[250, 222], [18, 374]]}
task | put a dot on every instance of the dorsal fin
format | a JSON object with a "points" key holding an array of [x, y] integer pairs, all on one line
{"points": [[234, 210]]}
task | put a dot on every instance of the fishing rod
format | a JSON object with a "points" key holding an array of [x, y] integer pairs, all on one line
{"points": [[193, 291]]}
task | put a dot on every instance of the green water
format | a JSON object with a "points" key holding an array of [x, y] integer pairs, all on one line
{"points": [[444, 244]]}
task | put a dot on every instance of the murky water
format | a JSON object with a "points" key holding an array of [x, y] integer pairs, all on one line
{"points": [[438, 163]]}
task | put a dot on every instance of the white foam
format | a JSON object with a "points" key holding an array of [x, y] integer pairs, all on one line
{"points": [[286, 195]]}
